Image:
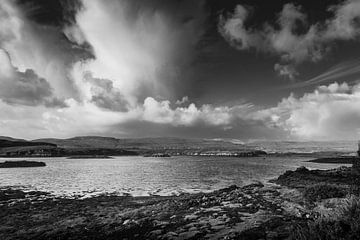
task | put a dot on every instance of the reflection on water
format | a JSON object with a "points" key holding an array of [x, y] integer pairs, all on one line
{"points": [[143, 176]]}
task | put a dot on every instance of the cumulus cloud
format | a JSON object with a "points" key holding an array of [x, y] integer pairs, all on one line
{"points": [[286, 41], [184, 100], [330, 112], [25, 88], [161, 112]]}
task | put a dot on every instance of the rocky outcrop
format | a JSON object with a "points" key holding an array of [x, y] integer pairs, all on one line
{"points": [[303, 177]]}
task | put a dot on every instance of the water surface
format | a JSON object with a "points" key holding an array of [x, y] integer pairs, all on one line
{"points": [[143, 175]]}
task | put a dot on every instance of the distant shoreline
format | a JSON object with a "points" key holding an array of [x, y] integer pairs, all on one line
{"points": [[336, 160]]}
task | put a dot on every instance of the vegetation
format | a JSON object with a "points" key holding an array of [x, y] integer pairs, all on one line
{"points": [[342, 224], [322, 191]]}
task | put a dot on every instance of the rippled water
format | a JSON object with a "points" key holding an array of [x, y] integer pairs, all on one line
{"points": [[143, 176]]}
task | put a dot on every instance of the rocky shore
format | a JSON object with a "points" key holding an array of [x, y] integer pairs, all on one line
{"points": [[256, 211]]}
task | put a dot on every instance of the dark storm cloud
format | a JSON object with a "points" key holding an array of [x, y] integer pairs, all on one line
{"points": [[105, 95], [50, 12], [240, 130], [24, 88]]}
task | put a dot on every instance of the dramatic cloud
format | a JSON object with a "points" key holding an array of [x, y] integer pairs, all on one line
{"points": [[138, 53], [24, 88], [116, 67], [286, 39], [44, 49], [329, 113], [140, 46]]}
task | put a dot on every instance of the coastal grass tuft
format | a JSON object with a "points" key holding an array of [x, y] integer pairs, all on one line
{"points": [[343, 224], [322, 191]]}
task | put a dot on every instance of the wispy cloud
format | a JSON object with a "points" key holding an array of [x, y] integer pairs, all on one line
{"points": [[285, 41], [348, 70]]}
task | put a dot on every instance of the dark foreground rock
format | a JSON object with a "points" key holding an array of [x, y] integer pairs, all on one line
{"points": [[21, 164], [252, 212]]}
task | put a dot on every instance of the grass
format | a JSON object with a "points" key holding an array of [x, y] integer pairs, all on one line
{"points": [[343, 224], [322, 191]]}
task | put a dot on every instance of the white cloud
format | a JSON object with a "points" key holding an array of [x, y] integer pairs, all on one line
{"points": [[329, 113], [161, 112], [293, 48], [184, 100]]}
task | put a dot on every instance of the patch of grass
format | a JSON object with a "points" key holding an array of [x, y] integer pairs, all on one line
{"points": [[343, 224], [321, 191]]}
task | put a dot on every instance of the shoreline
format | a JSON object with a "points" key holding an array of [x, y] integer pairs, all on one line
{"points": [[268, 211]]}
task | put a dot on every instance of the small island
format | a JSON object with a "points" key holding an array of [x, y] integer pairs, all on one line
{"points": [[22, 164]]}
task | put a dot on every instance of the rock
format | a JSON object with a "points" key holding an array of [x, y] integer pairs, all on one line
{"points": [[191, 217], [225, 203], [126, 221], [249, 205], [172, 234], [271, 235], [218, 227], [192, 229], [155, 233], [215, 222], [190, 225], [187, 235]]}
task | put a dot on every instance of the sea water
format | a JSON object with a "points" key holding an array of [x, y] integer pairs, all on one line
{"points": [[137, 175]]}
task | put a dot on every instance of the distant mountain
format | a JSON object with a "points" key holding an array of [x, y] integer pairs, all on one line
{"points": [[11, 139], [95, 145], [143, 143], [22, 143], [10, 147]]}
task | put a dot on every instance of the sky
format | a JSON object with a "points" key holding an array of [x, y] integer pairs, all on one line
{"points": [[238, 69]]}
